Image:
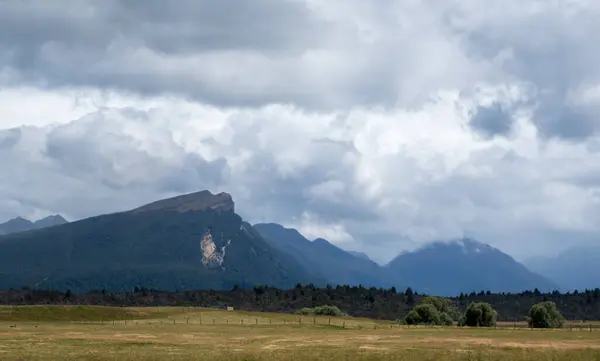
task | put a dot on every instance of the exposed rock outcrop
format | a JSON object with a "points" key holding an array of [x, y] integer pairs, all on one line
{"points": [[212, 257]]}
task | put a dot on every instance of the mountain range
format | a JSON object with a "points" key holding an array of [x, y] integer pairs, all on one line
{"points": [[197, 241], [574, 269], [22, 225]]}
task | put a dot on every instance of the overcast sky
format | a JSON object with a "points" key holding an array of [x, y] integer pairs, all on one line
{"points": [[379, 125]]}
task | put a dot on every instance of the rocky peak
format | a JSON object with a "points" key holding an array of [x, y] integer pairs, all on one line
{"points": [[199, 201]]}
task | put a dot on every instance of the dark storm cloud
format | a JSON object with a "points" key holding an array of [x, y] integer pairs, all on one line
{"points": [[174, 27], [492, 121], [154, 47], [555, 118], [552, 50]]}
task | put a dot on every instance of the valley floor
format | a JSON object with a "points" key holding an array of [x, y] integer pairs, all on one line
{"points": [[104, 333]]}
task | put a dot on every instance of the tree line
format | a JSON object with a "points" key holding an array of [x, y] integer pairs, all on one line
{"points": [[439, 311], [358, 301]]}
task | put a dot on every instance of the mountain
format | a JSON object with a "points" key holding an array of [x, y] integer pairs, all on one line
{"points": [[359, 255], [51, 221], [195, 241], [465, 265], [323, 259], [576, 268], [19, 224]]}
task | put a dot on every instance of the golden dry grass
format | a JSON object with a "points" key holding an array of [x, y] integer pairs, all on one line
{"points": [[189, 334]]}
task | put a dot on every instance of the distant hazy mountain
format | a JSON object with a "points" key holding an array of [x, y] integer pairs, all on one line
{"points": [[23, 225], [465, 265], [323, 259], [359, 255], [195, 241], [577, 268]]}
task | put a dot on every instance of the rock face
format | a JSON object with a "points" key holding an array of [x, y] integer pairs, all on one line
{"points": [[212, 256]]}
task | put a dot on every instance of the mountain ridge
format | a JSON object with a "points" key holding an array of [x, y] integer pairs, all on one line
{"points": [[193, 241], [465, 265], [20, 224], [574, 268], [197, 240]]}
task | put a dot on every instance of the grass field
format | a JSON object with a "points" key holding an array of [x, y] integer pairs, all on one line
{"points": [[104, 333]]}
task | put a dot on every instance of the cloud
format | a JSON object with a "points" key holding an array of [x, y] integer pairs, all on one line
{"points": [[491, 121], [382, 125]]}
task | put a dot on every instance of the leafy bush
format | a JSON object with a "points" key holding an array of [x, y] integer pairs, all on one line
{"points": [[305, 311], [423, 314], [446, 319], [432, 311], [324, 310], [545, 315], [327, 310], [479, 314], [443, 305], [412, 318]]}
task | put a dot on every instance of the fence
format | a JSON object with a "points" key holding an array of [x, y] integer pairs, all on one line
{"points": [[300, 321]]}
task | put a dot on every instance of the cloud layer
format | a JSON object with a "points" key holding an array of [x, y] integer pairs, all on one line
{"points": [[378, 125]]}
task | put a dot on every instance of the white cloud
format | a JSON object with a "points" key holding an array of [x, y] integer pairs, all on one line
{"points": [[378, 125]]}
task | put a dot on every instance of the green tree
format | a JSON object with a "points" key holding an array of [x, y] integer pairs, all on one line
{"points": [[443, 305], [425, 314], [446, 319], [545, 315], [480, 314], [409, 296]]}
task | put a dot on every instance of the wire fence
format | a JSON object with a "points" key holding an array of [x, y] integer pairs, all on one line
{"points": [[343, 323]]}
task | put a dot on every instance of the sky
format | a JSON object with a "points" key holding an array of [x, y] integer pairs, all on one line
{"points": [[380, 126]]}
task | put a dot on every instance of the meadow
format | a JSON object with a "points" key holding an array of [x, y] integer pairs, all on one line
{"points": [[115, 333]]}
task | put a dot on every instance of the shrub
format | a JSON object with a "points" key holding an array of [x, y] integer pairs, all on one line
{"points": [[443, 305], [412, 318], [423, 314], [305, 311], [325, 310], [479, 314], [446, 319], [545, 315]]}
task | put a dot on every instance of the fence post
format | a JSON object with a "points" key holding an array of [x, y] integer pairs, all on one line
{"points": [[256, 319], [329, 321], [344, 324], [213, 321], [314, 320], [270, 321], [187, 320]]}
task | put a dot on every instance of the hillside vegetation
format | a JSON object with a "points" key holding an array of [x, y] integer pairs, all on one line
{"points": [[388, 304]]}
